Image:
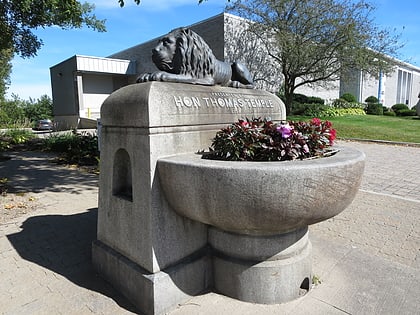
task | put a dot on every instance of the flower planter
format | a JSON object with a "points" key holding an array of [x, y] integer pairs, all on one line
{"points": [[259, 214], [261, 198]]}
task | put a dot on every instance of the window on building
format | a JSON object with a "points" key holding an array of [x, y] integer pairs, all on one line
{"points": [[404, 83]]}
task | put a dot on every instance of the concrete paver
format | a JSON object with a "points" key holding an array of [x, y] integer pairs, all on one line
{"points": [[367, 258]]}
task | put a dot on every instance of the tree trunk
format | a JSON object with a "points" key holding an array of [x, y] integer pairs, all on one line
{"points": [[289, 88]]}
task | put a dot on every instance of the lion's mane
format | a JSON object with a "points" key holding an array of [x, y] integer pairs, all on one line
{"points": [[192, 55]]}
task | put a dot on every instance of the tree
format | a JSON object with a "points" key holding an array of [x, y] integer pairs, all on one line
{"points": [[121, 2], [19, 17], [12, 112], [41, 108], [5, 70], [318, 41]]}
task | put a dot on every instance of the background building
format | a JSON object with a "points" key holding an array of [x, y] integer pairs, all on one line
{"points": [[81, 83]]}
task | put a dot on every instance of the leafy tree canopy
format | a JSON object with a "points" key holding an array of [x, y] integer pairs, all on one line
{"points": [[19, 17], [5, 70], [121, 2], [319, 41]]}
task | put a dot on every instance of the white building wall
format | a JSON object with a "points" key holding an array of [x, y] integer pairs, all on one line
{"points": [[96, 88], [391, 89], [369, 87], [328, 94]]}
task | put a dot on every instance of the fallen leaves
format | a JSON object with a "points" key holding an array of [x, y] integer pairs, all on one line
{"points": [[15, 205]]}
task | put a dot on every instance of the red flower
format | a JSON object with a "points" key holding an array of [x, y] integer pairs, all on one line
{"points": [[333, 135], [243, 123], [316, 121]]}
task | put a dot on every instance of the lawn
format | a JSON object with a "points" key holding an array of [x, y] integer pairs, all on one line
{"points": [[371, 127]]}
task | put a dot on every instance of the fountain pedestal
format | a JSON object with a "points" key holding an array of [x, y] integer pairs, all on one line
{"points": [[154, 256], [261, 269]]}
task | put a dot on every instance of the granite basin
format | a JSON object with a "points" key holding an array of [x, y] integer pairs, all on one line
{"points": [[261, 198]]}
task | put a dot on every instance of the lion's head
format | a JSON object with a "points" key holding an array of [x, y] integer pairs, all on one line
{"points": [[184, 52]]}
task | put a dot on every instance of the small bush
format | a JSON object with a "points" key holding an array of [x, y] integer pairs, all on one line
{"points": [[315, 100], [406, 112], [348, 111], [303, 99], [75, 148], [374, 109], [17, 136], [389, 113], [312, 110], [372, 99], [342, 103], [349, 97], [398, 107], [300, 98], [317, 110]]}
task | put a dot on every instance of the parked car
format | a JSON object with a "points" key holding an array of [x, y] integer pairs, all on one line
{"points": [[44, 124]]}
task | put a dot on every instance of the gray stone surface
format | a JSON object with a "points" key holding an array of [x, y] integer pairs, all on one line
{"points": [[140, 124], [261, 197], [157, 104], [262, 269], [368, 261]]}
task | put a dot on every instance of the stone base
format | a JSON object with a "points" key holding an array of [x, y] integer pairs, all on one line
{"points": [[262, 269], [154, 293]]}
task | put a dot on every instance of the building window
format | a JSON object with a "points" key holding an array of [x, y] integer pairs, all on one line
{"points": [[404, 83]]}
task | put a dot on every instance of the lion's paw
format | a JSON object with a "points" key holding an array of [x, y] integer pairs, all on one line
{"points": [[145, 77]]}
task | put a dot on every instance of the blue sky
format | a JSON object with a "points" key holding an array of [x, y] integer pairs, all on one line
{"points": [[134, 24]]}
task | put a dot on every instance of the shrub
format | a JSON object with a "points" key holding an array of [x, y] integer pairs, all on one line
{"points": [[312, 110], [406, 112], [337, 112], [398, 107], [264, 140], [303, 99], [374, 109], [389, 113], [317, 110], [342, 103], [349, 97], [300, 98], [75, 148], [372, 99], [17, 136], [315, 100]]}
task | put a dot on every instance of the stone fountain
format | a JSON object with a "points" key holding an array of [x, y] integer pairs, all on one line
{"points": [[172, 225]]}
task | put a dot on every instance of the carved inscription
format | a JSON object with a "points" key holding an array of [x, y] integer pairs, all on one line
{"points": [[228, 101]]}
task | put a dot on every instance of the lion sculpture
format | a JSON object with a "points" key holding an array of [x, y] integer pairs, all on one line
{"points": [[183, 56]]}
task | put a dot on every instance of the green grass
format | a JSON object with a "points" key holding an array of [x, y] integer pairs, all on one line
{"points": [[371, 127]]}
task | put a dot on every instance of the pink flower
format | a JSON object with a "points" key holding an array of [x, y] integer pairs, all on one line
{"points": [[328, 124], [316, 121], [333, 135], [286, 130], [244, 123]]}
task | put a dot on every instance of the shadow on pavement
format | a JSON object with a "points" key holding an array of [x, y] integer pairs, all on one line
{"points": [[62, 243], [33, 171]]}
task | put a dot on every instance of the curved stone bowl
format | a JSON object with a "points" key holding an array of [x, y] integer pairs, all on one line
{"points": [[261, 198]]}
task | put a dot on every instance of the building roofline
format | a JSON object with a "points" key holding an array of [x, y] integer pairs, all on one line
{"points": [[191, 25], [91, 57]]}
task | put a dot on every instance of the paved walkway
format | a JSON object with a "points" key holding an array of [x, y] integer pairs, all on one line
{"points": [[367, 258]]}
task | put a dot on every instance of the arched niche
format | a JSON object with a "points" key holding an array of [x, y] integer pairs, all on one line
{"points": [[122, 183]]}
